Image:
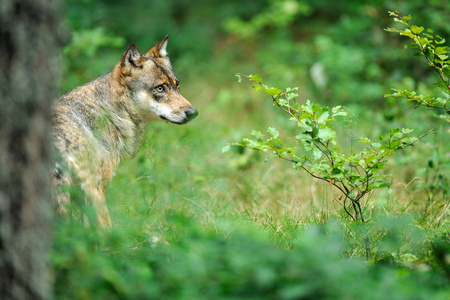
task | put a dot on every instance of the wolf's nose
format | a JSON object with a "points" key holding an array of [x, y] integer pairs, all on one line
{"points": [[191, 113]]}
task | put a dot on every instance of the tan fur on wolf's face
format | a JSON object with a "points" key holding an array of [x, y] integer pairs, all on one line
{"points": [[154, 86]]}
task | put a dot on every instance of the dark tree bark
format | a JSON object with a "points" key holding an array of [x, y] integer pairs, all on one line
{"points": [[30, 33]]}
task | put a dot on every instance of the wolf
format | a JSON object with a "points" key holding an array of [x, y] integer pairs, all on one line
{"points": [[97, 124]]}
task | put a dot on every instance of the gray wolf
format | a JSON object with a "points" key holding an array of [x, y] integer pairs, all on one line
{"points": [[98, 123]]}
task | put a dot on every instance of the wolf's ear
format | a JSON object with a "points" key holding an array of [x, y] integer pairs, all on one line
{"points": [[160, 49], [131, 58]]}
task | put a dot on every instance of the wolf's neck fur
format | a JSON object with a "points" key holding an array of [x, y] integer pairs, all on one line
{"points": [[123, 125], [104, 107]]}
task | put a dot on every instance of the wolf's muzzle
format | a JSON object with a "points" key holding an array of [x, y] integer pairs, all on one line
{"points": [[191, 113]]}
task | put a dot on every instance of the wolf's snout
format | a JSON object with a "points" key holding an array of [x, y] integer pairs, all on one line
{"points": [[191, 113]]}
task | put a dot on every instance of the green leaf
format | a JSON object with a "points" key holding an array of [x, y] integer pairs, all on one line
{"points": [[394, 130], [326, 134], [338, 111], [362, 163], [407, 18], [283, 102], [441, 50], [407, 33], [341, 113], [273, 91], [364, 140], [317, 153], [226, 148], [284, 152], [400, 21], [256, 133], [291, 95], [251, 143], [336, 171], [407, 130], [417, 29], [380, 184], [256, 87], [256, 78], [305, 124], [376, 145], [308, 107], [323, 117], [377, 167], [273, 132], [297, 165]]}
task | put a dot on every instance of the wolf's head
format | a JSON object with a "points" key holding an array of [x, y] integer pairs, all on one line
{"points": [[153, 85]]}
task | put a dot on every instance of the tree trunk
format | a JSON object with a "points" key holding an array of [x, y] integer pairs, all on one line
{"points": [[29, 41]]}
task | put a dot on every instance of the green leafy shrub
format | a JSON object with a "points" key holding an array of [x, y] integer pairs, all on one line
{"points": [[355, 175]]}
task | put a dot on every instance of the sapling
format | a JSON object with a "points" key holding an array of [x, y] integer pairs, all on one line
{"points": [[316, 151]]}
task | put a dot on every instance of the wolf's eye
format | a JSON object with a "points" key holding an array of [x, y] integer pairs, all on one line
{"points": [[160, 88]]}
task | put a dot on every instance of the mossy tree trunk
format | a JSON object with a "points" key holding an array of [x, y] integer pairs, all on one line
{"points": [[30, 35]]}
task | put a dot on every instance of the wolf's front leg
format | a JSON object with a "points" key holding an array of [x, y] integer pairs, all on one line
{"points": [[98, 201], [95, 197]]}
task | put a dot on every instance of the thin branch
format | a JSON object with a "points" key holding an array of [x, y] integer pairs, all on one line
{"points": [[346, 210], [327, 153]]}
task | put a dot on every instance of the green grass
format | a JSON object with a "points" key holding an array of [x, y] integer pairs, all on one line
{"points": [[192, 222]]}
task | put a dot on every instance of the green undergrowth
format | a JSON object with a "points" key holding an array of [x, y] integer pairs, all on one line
{"points": [[234, 259], [190, 222]]}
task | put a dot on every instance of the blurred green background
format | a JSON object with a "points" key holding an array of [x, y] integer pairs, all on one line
{"points": [[337, 53]]}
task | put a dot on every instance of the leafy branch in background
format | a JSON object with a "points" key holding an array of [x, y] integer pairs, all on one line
{"points": [[355, 175], [89, 41], [431, 46], [279, 13], [83, 48]]}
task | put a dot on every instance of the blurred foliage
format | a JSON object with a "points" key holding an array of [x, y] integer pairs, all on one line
{"points": [[336, 53], [179, 188], [236, 261]]}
